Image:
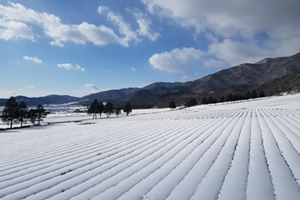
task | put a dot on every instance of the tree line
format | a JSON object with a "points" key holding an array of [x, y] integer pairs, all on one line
{"points": [[228, 98], [14, 113], [98, 108], [192, 102], [233, 97]]}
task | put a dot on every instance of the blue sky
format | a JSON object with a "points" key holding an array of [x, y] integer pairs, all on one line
{"points": [[81, 47]]}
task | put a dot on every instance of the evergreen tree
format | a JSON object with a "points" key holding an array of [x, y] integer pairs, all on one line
{"points": [[40, 113], [236, 97], [210, 100], [32, 116], [270, 93], [187, 104], [204, 101], [108, 108], [23, 112], [247, 95], [118, 111], [222, 99], [100, 108], [10, 113], [253, 94], [261, 94], [94, 109], [242, 97], [172, 105], [229, 97], [193, 102], [127, 109]]}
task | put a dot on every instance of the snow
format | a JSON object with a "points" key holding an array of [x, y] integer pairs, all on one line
{"points": [[241, 150]]}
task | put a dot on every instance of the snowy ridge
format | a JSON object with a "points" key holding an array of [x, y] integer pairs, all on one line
{"points": [[248, 150]]}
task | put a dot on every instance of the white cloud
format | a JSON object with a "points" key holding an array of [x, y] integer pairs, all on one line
{"points": [[176, 60], [124, 28], [185, 77], [91, 88], [69, 66], [133, 69], [57, 43], [15, 19], [229, 17], [29, 86], [15, 30], [237, 27], [87, 89], [80, 34], [102, 9], [53, 28], [35, 59], [237, 52], [144, 25], [214, 63]]}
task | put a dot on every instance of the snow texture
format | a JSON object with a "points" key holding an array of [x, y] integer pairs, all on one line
{"points": [[242, 150]]}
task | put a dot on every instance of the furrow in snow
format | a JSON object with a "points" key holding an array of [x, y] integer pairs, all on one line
{"points": [[62, 148], [292, 133], [82, 169], [285, 185], [235, 182], [281, 133], [141, 157], [88, 158], [173, 170], [210, 151], [145, 162], [259, 185], [211, 184]]}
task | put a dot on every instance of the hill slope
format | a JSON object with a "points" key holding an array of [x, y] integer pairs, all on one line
{"points": [[239, 79], [245, 77], [50, 99]]}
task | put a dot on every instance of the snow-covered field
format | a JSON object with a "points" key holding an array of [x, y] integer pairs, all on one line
{"points": [[246, 150]]}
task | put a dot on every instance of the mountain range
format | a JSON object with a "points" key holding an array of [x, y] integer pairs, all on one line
{"points": [[271, 75]]}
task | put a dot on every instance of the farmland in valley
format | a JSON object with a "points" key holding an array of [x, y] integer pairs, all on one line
{"points": [[243, 150]]}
